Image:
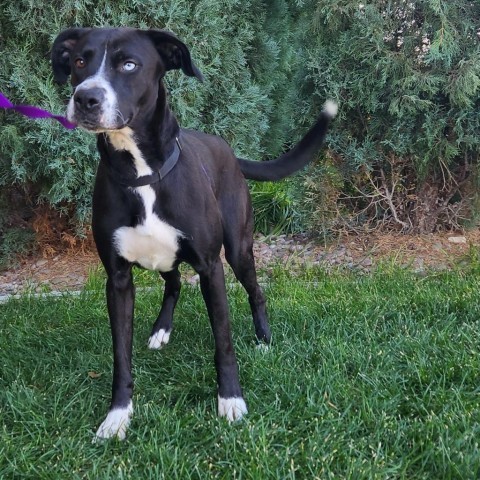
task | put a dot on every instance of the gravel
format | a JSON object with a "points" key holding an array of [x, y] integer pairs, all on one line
{"points": [[69, 272]]}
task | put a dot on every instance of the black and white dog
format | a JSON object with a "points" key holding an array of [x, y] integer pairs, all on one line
{"points": [[164, 195]]}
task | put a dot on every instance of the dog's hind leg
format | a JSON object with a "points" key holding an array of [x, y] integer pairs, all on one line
{"points": [[230, 399], [239, 254], [163, 325]]}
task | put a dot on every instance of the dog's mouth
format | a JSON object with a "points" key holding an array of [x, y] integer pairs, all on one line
{"points": [[95, 115], [95, 126]]}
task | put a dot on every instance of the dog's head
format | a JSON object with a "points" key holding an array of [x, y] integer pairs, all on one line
{"points": [[116, 73]]}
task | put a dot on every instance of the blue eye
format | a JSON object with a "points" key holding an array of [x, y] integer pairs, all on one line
{"points": [[129, 66]]}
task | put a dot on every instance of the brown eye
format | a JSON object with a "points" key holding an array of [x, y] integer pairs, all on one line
{"points": [[80, 63]]}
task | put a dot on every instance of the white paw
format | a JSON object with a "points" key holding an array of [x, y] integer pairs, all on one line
{"points": [[115, 424], [232, 408], [159, 339]]}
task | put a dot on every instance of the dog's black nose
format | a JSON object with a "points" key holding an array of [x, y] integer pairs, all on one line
{"points": [[89, 100]]}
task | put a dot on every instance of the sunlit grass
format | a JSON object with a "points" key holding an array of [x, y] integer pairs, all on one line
{"points": [[372, 376]]}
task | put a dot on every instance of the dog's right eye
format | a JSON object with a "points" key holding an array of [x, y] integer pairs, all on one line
{"points": [[80, 63]]}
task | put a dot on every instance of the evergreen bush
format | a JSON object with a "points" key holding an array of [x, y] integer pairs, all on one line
{"points": [[407, 76], [61, 164], [245, 51]]}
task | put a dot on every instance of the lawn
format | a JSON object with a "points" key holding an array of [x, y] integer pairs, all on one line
{"points": [[373, 376]]}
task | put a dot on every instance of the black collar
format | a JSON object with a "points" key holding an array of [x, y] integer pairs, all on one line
{"points": [[155, 177]]}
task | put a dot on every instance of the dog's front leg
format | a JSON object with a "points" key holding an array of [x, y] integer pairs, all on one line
{"points": [[120, 303], [230, 399]]}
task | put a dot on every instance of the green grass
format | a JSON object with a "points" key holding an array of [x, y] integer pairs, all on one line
{"points": [[369, 377]]}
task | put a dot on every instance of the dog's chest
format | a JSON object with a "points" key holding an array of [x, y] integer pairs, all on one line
{"points": [[152, 243]]}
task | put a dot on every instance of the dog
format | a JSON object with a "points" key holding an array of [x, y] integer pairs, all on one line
{"points": [[164, 195]]}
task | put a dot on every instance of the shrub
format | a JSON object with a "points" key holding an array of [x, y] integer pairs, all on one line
{"points": [[60, 164], [407, 75], [15, 242], [276, 208]]}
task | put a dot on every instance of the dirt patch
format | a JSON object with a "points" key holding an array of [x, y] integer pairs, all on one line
{"points": [[69, 270], [63, 271]]}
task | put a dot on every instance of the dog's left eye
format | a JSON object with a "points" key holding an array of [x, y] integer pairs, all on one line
{"points": [[129, 66]]}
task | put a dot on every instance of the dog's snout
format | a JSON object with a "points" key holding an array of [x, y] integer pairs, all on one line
{"points": [[89, 100]]}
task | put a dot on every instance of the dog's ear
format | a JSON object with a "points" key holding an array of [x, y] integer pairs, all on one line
{"points": [[174, 53], [61, 49]]}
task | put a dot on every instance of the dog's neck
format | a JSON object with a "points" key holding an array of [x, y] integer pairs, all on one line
{"points": [[142, 148]]}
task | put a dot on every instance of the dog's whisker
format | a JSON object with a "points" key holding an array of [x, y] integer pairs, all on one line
{"points": [[121, 116]]}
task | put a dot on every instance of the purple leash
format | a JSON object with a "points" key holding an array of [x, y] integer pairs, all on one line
{"points": [[33, 112]]}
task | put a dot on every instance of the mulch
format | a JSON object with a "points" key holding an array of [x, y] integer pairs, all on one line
{"points": [[69, 269]]}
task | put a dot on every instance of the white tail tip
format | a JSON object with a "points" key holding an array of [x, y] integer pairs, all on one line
{"points": [[330, 108]]}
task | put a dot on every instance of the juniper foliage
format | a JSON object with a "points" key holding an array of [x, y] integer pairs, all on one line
{"points": [[406, 74], [222, 35]]}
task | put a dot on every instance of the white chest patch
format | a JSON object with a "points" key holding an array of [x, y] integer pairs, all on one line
{"points": [[153, 244]]}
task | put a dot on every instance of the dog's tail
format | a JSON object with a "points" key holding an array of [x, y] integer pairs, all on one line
{"points": [[296, 158]]}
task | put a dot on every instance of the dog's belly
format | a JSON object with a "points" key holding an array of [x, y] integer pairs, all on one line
{"points": [[153, 244]]}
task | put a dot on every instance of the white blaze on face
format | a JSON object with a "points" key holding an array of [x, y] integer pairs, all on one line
{"points": [[108, 118]]}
